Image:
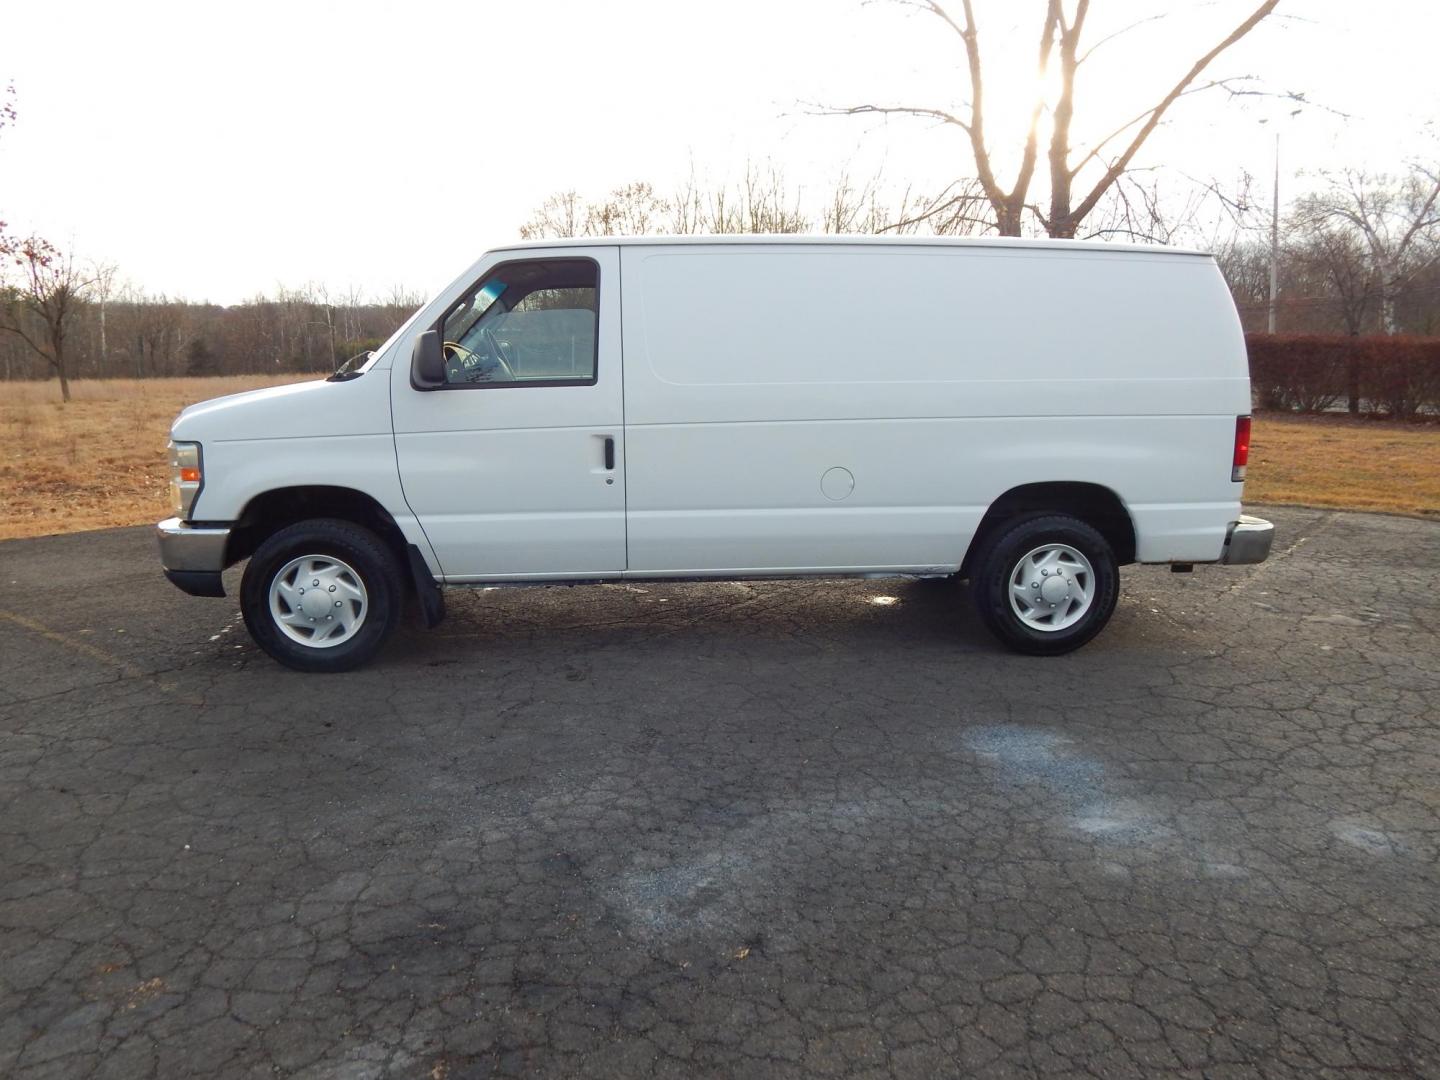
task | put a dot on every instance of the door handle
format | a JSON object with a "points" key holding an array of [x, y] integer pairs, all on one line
{"points": [[609, 453]]}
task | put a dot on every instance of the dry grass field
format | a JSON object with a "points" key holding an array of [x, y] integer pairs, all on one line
{"points": [[1349, 464], [100, 461]]}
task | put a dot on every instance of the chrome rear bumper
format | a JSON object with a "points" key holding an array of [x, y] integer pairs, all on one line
{"points": [[1248, 541]]}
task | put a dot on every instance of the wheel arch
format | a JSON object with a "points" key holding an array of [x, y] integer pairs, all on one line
{"points": [[273, 510], [1097, 505]]}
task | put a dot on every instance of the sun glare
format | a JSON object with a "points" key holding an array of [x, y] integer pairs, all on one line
{"points": [[1011, 92]]}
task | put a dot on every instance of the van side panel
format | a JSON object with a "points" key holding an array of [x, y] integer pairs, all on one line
{"points": [[925, 382]]}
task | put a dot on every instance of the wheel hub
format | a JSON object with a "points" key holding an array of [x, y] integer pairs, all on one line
{"points": [[1052, 587], [318, 601]]}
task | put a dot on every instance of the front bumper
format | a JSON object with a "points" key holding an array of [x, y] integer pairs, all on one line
{"points": [[1248, 541], [192, 556]]}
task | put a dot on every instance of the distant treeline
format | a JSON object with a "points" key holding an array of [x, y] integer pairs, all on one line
{"points": [[1328, 284], [1325, 291], [137, 337]]}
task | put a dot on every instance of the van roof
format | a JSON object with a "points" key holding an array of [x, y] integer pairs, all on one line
{"points": [[1042, 243]]}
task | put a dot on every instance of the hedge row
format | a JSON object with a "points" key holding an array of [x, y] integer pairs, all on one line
{"points": [[1396, 376]]}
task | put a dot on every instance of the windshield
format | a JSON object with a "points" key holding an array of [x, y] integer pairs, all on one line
{"points": [[463, 322]]}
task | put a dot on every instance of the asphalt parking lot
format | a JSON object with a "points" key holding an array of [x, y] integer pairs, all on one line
{"points": [[779, 829]]}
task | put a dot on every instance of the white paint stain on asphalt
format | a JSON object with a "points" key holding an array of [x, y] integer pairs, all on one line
{"points": [[702, 894], [1036, 756], [1372, 841], [1120, 821]]}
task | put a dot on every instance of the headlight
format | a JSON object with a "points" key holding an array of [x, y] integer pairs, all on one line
{"points": [[185, 476]]}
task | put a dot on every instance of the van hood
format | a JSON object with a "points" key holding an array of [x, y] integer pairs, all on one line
{"points": [[358, 406]]}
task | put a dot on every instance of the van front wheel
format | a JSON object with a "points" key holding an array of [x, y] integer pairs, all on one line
{"points": [[321, 595], [1045, 584]]}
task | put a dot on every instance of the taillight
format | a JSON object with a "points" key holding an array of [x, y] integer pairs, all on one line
{"points": [[1242, 449]]}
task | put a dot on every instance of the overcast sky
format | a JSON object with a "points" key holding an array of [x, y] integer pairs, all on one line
{"points": [[215, 150]]}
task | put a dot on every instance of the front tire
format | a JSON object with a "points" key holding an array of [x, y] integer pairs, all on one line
{"points": [[1045, 584], [322, 595]]}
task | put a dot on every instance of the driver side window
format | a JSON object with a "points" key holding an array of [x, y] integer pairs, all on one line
{"points": [[531, 322]]}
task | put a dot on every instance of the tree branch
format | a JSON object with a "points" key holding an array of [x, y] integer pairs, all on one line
{"points": [[1118, 33], [14, 328], [890, 110], [939, 205], [1158, 112], [1225, 83], [976, 129], [1423, 220]]}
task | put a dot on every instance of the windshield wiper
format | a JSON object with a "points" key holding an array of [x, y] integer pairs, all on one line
{"points": [[350, 369]]}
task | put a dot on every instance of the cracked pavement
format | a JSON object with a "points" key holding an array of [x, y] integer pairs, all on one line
{"points": [[761, 830]]}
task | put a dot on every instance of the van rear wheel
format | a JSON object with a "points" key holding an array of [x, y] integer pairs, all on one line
{"points": [[322, 595], [1045, 584]]}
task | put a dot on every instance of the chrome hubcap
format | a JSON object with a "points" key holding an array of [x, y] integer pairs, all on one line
{"points": [[318, 601], [1052, 587]]}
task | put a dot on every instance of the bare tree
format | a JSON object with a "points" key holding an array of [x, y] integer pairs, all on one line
{"points": [[1329, 257], [959, 209], [762, 201], [1061, 32], [631, 210], [400, 303], [158, 326], [329, 314], [562, 214], [1396, 220], [351, 301], [1334, 257], [1246, 267], [42, 307], [8, 244], [851, 208], [685, 209]]}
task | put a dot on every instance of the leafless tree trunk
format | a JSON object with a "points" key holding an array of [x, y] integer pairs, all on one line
{"points": [[1060, 37], [104, 277], [353, 299]]}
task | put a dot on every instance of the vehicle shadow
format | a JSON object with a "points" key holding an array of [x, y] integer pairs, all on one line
{"points": [[807, 614]]}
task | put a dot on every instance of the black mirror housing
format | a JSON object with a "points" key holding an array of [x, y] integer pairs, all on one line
{"points": [[427, 362]]}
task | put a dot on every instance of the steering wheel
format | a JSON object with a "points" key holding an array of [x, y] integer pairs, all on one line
{"points": [[472, 361], [497, 349], [468, 361]]}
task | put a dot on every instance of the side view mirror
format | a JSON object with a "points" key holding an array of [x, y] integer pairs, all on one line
{"points": [[427, 362]]}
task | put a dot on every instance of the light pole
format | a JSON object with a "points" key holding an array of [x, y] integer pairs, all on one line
{"points": [[1274, 307], [1274, 239]]}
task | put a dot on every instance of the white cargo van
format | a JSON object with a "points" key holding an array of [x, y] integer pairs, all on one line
{"points": [[1030, 415]]}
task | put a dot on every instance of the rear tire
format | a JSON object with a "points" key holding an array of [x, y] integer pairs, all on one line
{"points": [[1045, 584], [353, 604]]}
